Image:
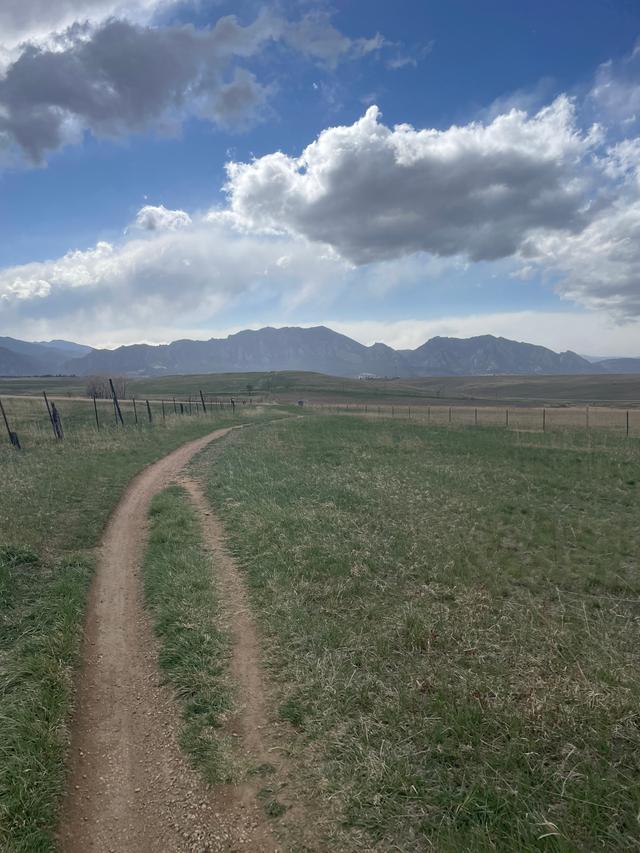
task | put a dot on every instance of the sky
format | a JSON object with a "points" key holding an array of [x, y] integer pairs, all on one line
{"points": [[190, 168]]}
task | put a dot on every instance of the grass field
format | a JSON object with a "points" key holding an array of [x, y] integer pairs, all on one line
{"points": [[194, 647], [451, 626], [56, 498], [289, 386]]}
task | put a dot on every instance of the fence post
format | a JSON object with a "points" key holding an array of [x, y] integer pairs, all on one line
{"points": [[46, 401], [135, 410], [506, 418], [175, 408], [116, 404], [204, 408], [13, 436], [149, 411], [544, 420], [95, 409], [409, 412], [449, 414], [475, 417], [393, 412], [163, 410], [627, 423], [586, 414], [57, 423]]}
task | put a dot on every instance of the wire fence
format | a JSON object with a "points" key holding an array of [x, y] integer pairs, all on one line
{"points": [[22, 415], [533, 419]]}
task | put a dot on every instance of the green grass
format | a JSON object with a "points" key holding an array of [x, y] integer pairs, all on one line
{"points": [[56, 498], [452, 624], [290, 385], [41, 606], [194, 647]]}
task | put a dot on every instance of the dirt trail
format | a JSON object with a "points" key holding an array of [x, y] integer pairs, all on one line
{"points": [[131, 789], [251, 718]]}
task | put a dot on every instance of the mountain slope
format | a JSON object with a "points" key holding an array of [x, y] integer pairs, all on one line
{"points": [[291, 348], [487, 354], [18, 364], [316, 349], [620, 365], [40, 358]]}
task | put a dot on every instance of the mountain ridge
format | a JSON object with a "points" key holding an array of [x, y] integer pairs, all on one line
{"points": [[317, 348]]}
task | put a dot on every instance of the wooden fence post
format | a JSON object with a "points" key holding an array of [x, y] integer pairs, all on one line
{"points": [[175, 408], [627, 423], [57, 423], [544, 420], [46, 401], [116, 404], [204, 408], [149, 412], [475, 417], [13, 436], [428, 414], [163, 410], [95, 409], [506, 418], [449, 414], [135, 410], [586, 415]]}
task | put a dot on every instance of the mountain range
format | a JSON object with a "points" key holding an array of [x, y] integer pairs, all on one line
{"points": [[292, 348]]}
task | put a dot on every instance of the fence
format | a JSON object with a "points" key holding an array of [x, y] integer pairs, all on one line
{"points": [[534, 419], [112, 412]]}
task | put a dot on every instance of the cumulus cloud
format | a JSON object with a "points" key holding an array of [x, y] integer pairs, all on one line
{"points": [[123, 77], [373, 192], [151, 218], [30, 20], [120, 76], [171, 270]]}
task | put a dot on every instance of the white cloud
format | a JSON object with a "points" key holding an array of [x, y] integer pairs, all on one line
{"points": [[32, 20], [372, 192], [152, 218], [164, 275]]}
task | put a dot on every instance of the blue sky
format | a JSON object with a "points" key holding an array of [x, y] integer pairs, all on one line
{"points": [[494, 189]]}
